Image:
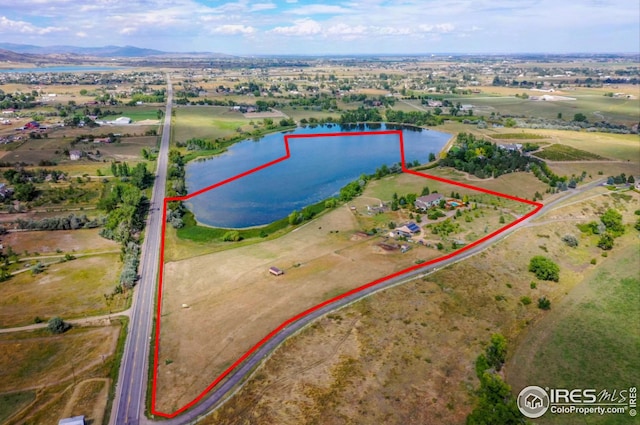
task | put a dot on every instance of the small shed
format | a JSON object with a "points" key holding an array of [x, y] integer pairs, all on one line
{"points": [[76, 420], [276, 271]]}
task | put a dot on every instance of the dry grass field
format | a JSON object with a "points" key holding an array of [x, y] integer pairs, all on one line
{"points": [[71, 289], [406, 355], [65, 241], [66, 374], [231, 296]]}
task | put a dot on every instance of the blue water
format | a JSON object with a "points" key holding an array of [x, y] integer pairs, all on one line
{"points": [[317, 169], [62, 69]]}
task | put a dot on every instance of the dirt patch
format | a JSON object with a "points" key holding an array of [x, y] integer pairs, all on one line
{"points": [[89, 398]]}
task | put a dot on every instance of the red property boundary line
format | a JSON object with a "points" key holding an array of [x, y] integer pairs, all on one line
{"points": [[224, 374]]}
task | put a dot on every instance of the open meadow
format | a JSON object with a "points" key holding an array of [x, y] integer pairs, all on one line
{"points": [[207, 122], [406, 355], [71, 289]]}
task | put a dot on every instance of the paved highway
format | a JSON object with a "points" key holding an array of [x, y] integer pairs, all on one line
{"points": [[222, 391], [129, 404]]}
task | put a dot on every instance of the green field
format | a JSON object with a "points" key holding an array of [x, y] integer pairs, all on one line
{"points": [[14, 402], [208, 122], [595, 106], [591, 339], [136, 113], [625, 147], [520, 136], [558, 152]]}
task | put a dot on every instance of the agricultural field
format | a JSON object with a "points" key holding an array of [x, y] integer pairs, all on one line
{"points": [[57, 376], [207, 122], [357, 363], [72, 289], [557, 152], [321, 259], [592, 103]]}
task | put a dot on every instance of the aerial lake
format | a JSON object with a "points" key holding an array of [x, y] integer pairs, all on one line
{"points": [[317, 169]]}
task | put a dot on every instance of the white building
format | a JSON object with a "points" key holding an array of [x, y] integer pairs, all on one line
{"points": [[76, 420]]}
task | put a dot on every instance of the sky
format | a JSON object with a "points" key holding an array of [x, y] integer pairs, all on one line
{"points": [[317, 27]]}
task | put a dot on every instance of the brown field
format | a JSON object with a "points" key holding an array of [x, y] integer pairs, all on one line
{"points": [[32, 151], [233, 298], [83, 240], [50, 360], [593, 168], [72, 289], [406, 355], [68, 373]]}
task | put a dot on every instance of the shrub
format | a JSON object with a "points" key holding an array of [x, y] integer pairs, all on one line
{"points": [[605, 242], [37, 269], [570, 240], [58, 326], [593, 261], [544, 303], [231, 236], [525, 300], [544, 268]]}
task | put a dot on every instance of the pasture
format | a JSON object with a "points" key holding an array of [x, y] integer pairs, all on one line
{"points": [[71, 289], [56, 376], [207, 122]]}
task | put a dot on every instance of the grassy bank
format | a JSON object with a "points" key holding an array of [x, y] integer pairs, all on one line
{"points": [[194, 232]]}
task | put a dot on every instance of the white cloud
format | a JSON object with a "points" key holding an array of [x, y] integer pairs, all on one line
{"points": [[22, 27], [262, 6], [319, 9], [233, 30], [439, 28], [344, 29], [301, 27], [128, 30]]}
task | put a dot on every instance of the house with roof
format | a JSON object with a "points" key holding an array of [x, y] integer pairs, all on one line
{"points": [[75, 155], [511, 147], [428, 201], [408, 230]]}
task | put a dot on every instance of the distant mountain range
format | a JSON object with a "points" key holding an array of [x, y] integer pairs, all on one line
{"points": [[98, 52]]}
